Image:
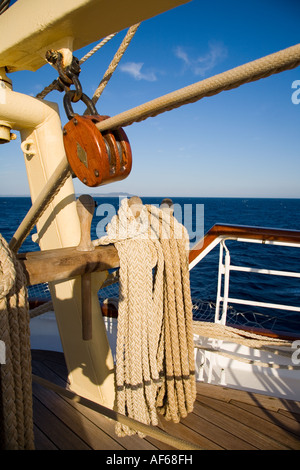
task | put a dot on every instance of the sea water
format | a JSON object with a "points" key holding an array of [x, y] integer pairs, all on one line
{"points": [[200, 215]]}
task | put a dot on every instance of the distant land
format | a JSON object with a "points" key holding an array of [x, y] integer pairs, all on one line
{"points": [[113, 194]]}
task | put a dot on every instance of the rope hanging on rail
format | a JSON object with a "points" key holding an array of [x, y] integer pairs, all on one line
{"points": [[239, 336], [216, 331], [155, 369], [16, 430]]}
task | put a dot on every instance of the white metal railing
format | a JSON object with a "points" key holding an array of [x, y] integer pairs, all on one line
{"points": [[225, 267], [218, 235]]}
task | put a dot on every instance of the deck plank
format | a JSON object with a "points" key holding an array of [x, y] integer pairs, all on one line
{"points": [[254, 429], [207, 427], [81, 426], [279, 423], [62, 436], [265, 401], [128, 443], [88, 418], [293, 413], [222, 419], [42, 442], [191, 435]]}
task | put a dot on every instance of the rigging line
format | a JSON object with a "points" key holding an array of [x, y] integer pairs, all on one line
{"points": [[283, 60], [115, 62], [97, 47], [4, 5]]}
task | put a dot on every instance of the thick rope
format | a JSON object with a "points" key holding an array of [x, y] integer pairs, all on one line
{"points": [[155, 369], [239, 336], [16, 430], [40, 309], [217, 331], [261, 68]]}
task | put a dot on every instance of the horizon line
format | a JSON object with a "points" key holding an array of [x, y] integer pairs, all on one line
{"points": [[113, 195]]}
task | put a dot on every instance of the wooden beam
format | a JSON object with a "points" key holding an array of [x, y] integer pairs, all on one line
{"points": [[64, 263]]}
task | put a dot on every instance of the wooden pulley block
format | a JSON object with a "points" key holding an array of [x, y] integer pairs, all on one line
{"points": [[118, 148], [96, 158]]}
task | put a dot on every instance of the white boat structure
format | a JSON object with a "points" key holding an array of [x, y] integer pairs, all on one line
{"points": [[74, 268]]}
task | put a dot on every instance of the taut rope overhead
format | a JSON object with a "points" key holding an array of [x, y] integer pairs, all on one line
{"points": [[261, 68]]}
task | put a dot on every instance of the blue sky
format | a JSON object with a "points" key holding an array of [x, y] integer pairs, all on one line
{"points": [[240, 143]]}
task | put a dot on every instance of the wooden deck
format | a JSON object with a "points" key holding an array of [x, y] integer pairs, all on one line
{"points": [[222, 419]]}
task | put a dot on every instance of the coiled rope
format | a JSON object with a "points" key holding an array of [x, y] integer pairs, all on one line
{"points": [[16, 430], [155, 370]]}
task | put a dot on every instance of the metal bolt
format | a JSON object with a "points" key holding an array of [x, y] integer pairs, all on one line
{"points": [[65, 131], [84, 180], [75, 122], [96, 172]]}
